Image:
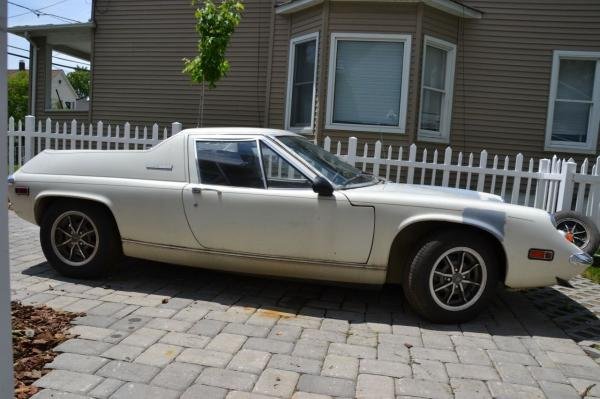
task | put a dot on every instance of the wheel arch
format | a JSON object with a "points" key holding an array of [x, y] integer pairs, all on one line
{"points": [[44, 200], [412, 231]]}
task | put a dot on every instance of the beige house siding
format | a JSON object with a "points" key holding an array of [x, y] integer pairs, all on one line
{"points": [[372, 18], [507, 67], [138, 61]]}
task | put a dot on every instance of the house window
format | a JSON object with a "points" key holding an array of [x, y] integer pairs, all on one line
{"points": [[67, 82], [368, 82], [301, 83], [574, 105], [437, 84]]}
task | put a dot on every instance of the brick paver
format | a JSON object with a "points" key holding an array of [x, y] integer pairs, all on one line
{"points": [[165, 331]]}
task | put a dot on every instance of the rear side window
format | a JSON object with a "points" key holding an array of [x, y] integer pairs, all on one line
{"points": [[229, 163]]}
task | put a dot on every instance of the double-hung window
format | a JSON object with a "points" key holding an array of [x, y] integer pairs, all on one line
{"points": [[574, 105], [437, 85], [368, 82], [301, 83]]}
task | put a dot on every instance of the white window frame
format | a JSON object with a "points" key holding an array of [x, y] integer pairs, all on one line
{"points": [[290, 83], [589, 147], [443, 136], [369, 37]]}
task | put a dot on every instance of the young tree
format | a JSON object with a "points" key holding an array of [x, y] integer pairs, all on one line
{"points": [[80, 80], [214, 24], [18, 95]]}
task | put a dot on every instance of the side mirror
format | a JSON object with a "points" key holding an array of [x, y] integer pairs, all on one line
{"points": [[322, 187]]}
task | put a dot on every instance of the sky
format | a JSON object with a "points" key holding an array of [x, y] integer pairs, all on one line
{"points": [[79, 10]]}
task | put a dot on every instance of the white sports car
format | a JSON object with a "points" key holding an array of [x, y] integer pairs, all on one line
{"points": [[270, 202]]}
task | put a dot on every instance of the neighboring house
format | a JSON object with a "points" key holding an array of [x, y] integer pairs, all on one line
{"points": [[507, 76], [62, 95]]}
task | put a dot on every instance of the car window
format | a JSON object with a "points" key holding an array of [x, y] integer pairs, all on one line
{"points": [[229, 163], [280, 173]]}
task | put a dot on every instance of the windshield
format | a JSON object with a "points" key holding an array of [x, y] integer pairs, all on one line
{"points": [[334, 169]]}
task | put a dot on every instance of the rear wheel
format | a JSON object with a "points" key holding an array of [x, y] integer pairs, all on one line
{"points": [[79, 239], [452, 276]]}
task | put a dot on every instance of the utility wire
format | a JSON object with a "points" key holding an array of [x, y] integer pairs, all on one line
{"points": [[54, 63], [41, 13], [55, 56], [41, 8]]}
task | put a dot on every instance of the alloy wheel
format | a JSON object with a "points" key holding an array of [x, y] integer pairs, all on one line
{"points": [[458, 278]]}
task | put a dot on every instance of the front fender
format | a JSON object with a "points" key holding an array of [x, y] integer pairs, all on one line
{"points": [[492, 226]]}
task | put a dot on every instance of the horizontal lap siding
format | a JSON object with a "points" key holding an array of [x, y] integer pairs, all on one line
{"points": [[373, 18], [138, 52], [502, 103]]}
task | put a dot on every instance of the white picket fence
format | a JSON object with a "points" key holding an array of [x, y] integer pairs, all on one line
{"points": [[551, 184], [24, 142]]}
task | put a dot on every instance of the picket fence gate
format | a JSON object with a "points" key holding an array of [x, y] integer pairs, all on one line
{"points": [[552, 184]]}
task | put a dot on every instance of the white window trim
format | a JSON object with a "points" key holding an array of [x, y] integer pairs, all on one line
{"points": [[589, 147], [290, 83], [443, 136], [401, 128]]}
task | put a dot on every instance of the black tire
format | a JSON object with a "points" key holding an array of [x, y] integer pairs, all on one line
{"points": [[103, 234], [416, 282], [566, 220]]}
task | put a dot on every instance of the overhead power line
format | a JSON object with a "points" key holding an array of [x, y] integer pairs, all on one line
{"points": [[54, 63], [40, 13], [41, 8], [84, 62]]}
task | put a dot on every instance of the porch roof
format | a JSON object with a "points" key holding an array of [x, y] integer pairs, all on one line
{"points": [[452, 7], [70, 39]]}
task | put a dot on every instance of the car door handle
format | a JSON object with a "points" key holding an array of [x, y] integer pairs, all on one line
{"points": [[198, 190]]}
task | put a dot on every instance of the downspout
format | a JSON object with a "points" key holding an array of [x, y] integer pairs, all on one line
{"points": [[416, 99], [269, 67], [32, 73], [322, 74]]}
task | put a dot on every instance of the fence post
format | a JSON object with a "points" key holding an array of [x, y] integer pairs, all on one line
{"points": [[447, 161], [412, 157], [542, 184], [514, 198], [377, 158], [566, 186], [482, 166], [29, 130], [175, 128], [352, 144], [73, 134]]}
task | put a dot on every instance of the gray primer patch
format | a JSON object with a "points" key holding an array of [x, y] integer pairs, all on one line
{"points": [[493, 218]]}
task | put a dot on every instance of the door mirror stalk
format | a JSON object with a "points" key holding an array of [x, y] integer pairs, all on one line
{"points": [[322, 187]]}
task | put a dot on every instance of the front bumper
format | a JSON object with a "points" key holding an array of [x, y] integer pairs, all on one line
{"points": [[581, 259]]}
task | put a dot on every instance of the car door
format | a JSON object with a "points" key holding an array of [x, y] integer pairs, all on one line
{"points": [[247, 198]]}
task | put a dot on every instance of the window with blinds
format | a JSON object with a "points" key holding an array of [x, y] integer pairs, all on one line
{"points": [[368, 79], [574, 105]]}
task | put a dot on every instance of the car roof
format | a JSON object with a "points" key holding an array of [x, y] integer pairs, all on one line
{"points": [[252, 131]]}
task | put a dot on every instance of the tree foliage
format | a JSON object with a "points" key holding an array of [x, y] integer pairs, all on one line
{"points": [[18, 95], [214, 24], [80, 80]]}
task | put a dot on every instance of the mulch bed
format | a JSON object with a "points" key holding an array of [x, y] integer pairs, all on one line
{"points": [[35, 331]]}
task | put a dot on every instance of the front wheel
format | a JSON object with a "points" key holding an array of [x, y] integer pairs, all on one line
{"points": [[452, 276], [79, 239]]}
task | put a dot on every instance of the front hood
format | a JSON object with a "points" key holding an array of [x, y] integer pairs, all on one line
{"points": [[398, 191]]}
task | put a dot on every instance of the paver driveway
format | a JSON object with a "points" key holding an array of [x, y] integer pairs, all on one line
{"points": [[161, 331]]}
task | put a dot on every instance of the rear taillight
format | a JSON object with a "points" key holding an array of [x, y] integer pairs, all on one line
{"points": [[22, 190]]}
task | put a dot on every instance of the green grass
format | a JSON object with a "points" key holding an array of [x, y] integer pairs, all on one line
{"points": [[593, 273]]}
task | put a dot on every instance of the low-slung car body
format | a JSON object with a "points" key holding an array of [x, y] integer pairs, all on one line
{"points": [[270, 202]]}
